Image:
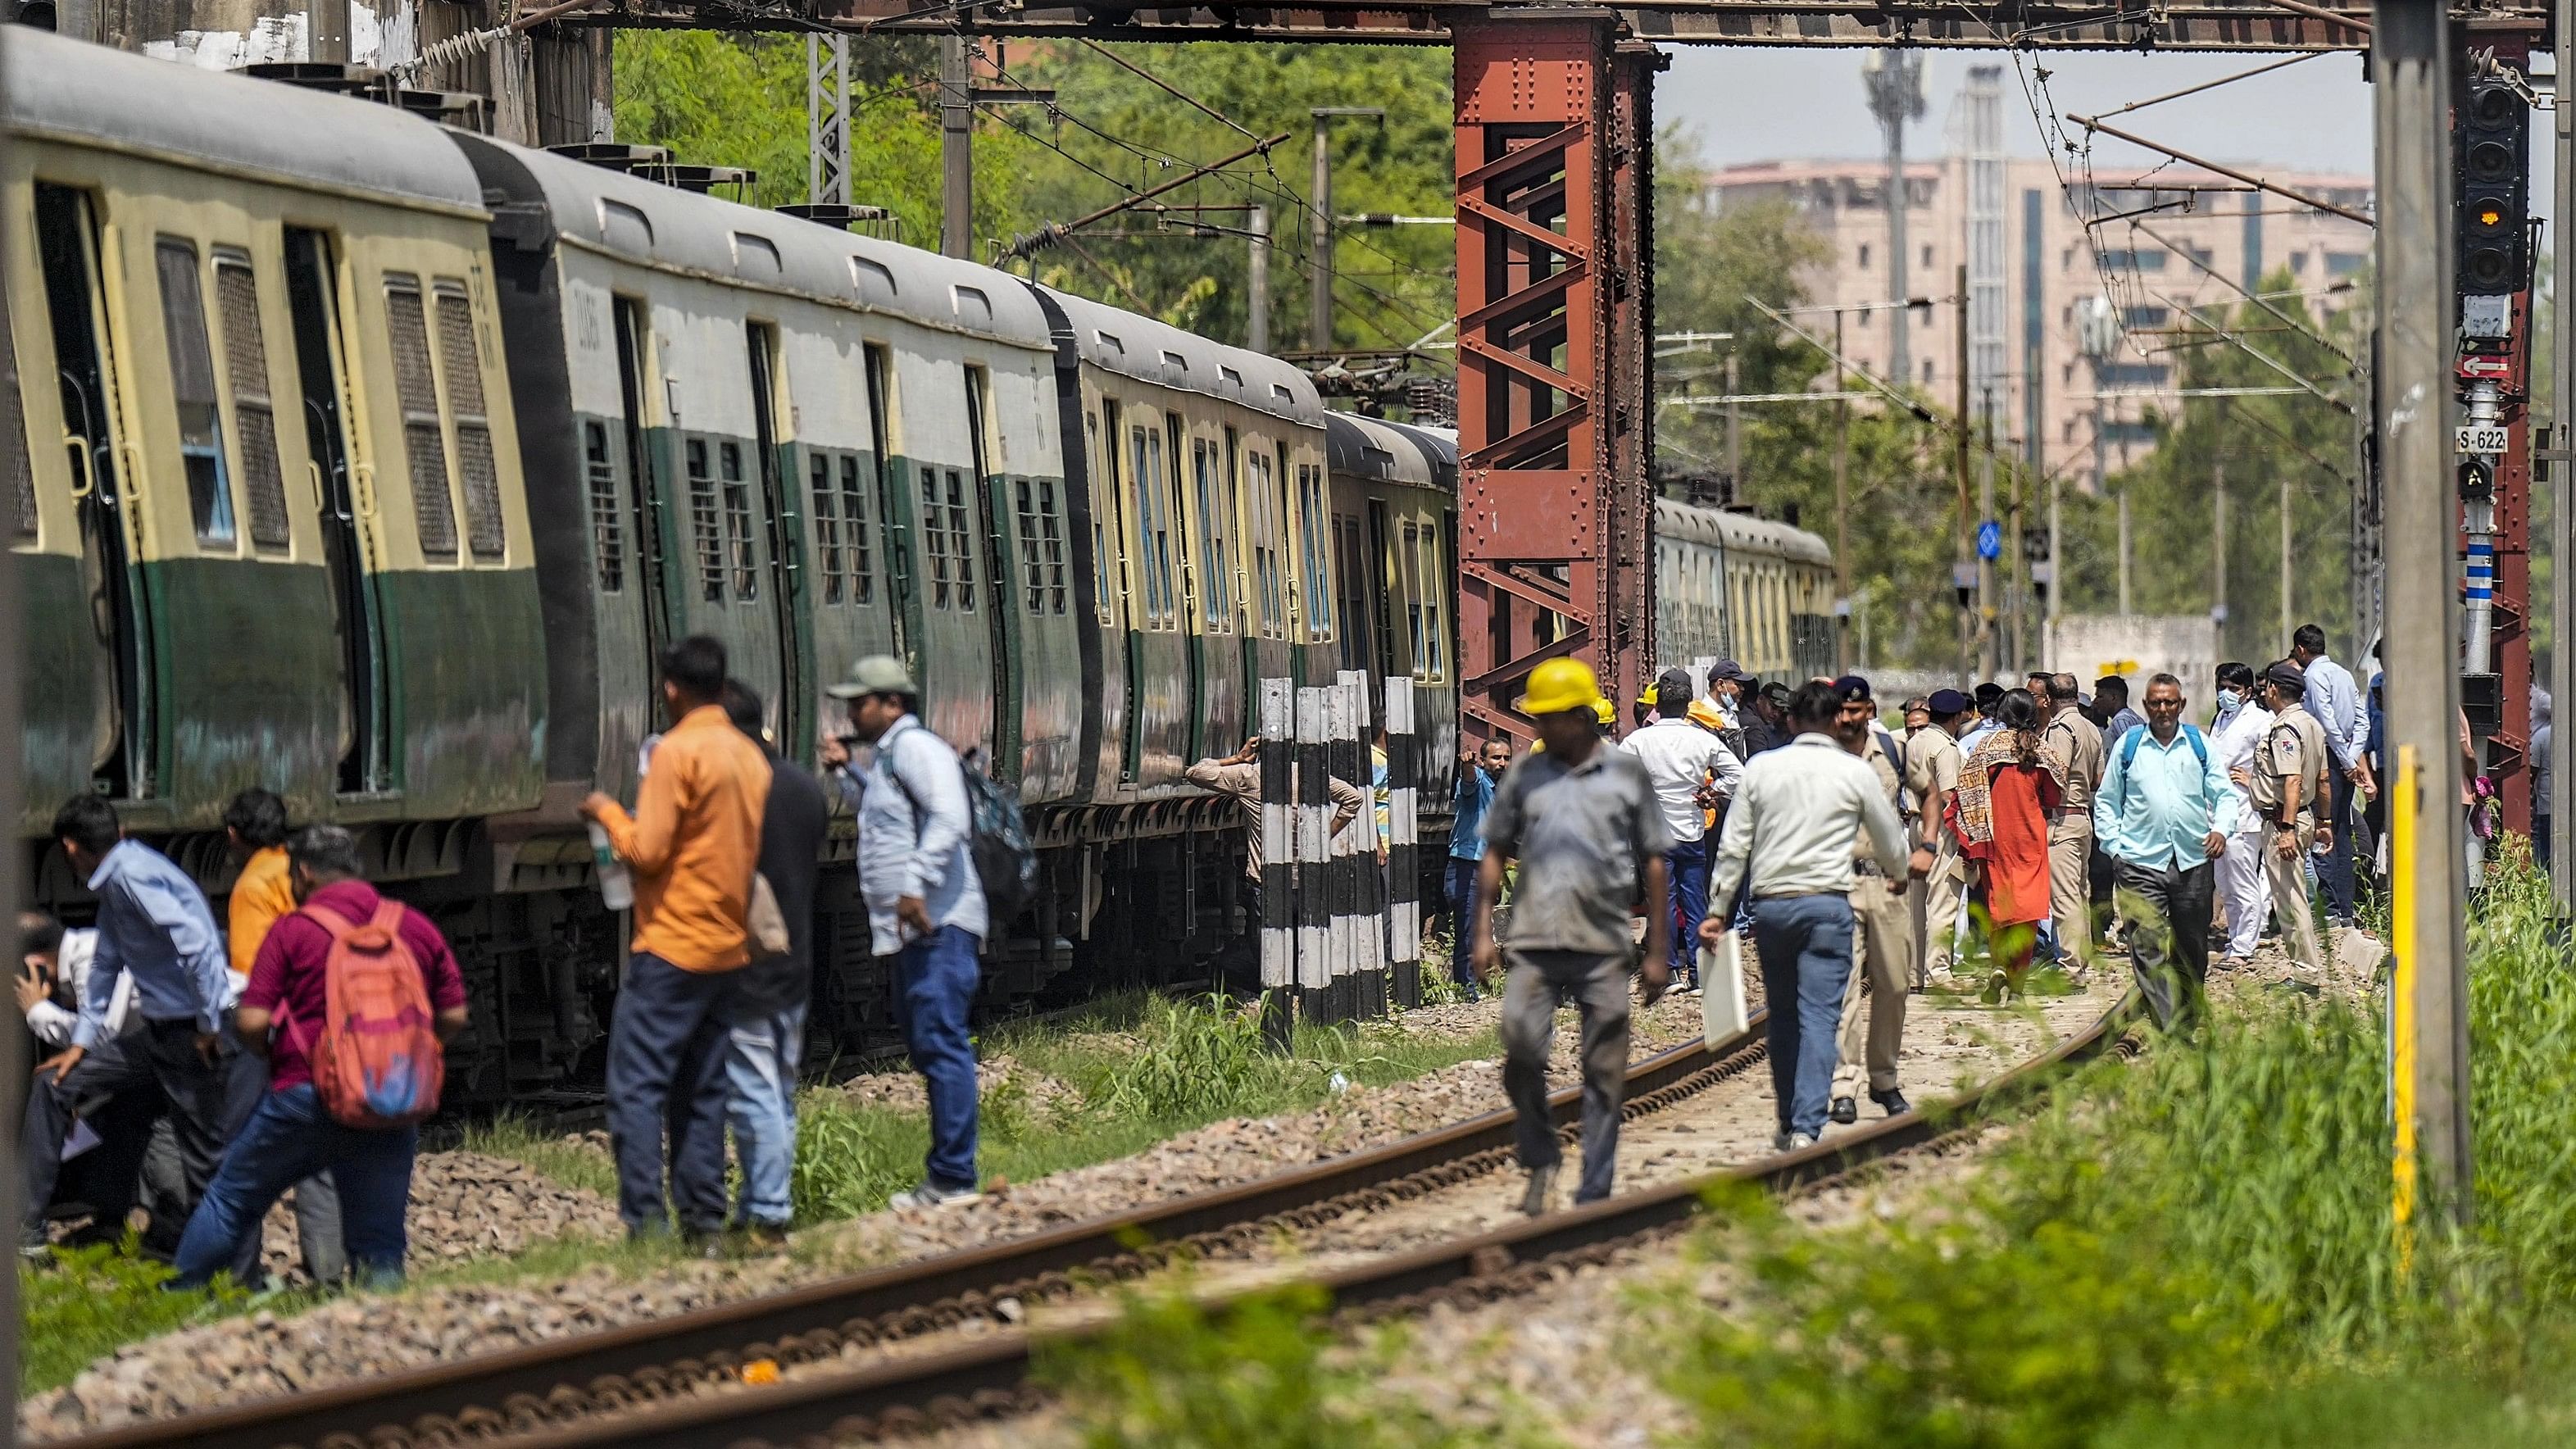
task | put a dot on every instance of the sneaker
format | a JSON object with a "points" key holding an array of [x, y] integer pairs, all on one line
{"points": [[1791, 1141], [757, 1237], [933, 1195], [1845, 1110], [1893, 1100], [1542, 1188]]}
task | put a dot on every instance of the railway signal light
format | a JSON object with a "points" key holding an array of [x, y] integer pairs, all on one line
{"points": [[2491, 145]]}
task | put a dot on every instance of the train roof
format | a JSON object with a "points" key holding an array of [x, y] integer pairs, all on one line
{"points": [[1739, 531], [1389, 452], [98, 95], [1130, 344], [663, 226]]}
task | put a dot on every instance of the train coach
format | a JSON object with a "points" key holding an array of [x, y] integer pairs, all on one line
{"points": [[370, 461]]}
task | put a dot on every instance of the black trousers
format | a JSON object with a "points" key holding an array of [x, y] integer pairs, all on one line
{"points": [[206, 1105], [2168, 914]]}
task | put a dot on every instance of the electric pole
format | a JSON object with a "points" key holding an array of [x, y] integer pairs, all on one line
{"points": [[2562, 408], [2218, 532], [1989, 574], [2410, 66], [1319, 305], [1256, 292], [1844, 608], [956, 148], [1965, 575], [1894, 79]]}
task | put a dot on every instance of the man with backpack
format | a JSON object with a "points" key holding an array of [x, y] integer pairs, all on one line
{"points": [[926, 905], [350, 999], [2163, 814]]}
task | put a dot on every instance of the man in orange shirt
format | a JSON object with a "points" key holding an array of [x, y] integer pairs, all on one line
{"points": [[693, 845], [262, 895]]}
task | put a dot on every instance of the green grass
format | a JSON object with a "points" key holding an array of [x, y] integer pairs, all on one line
{"points": [[566, 1161], [94, 1301]]}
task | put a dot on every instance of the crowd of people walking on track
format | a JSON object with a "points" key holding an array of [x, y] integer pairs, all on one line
{"points": [[1857, 854]]}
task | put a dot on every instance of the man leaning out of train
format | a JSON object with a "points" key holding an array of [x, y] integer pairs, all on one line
{"points": [[925, 904], [362, 992], [693, 845]]}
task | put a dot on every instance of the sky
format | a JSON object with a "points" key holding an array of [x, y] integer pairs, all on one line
{"points": [[1757, 104]]}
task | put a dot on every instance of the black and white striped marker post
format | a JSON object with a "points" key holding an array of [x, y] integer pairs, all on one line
{"points": [[1341, 724], [1368, 939], [1278, 827], [1314, 855], [1404, 867]]}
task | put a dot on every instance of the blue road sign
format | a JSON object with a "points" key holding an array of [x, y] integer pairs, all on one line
{"points": [[1990, 540]]}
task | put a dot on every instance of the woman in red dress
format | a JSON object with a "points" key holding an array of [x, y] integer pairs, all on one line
{"points": [[2010, 789]]}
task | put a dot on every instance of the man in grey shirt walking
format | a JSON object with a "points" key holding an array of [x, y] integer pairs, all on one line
{"points": [[1790, 834], [1583, 820]]}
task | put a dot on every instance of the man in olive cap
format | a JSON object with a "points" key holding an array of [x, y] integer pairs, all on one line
{"points": [[1933, 761], [2291, 784], [925, 904], [1882, 927]]}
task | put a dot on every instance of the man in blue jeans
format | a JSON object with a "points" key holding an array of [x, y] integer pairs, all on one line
{"points": [[1479, 770], [925, 906], [1789, 838], [765, 1037], [291, 1136]]}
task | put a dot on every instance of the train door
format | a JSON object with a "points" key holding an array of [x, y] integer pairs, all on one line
{"points": [[1191, 621], [1350, 551], [356, 613], [644, 495], [783, 522], [122, 754], [984, 499], [1116, 482], [901, 592], [1381, 591]]}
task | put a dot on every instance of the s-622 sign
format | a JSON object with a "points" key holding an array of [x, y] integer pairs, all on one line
{"points": [[2474, 438]]}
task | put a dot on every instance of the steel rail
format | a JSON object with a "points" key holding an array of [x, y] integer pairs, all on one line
{"points": [[991, 1378], [567, 1378]]}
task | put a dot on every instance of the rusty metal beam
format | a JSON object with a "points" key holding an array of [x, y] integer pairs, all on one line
{"points": [[2216, 25]]}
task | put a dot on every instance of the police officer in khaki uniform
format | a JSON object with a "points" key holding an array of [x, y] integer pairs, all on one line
{"points": [[1932, 764], [2292, 772], [1882, 927]]}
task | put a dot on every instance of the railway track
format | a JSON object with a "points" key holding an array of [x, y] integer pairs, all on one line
{"points": [[990, 1378], [570, 1382]]}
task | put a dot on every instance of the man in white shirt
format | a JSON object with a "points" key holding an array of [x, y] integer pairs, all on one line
{"points": [[1789, 837], [2242, 723], [2337, 703], [1691, 769], [115, 1127]]}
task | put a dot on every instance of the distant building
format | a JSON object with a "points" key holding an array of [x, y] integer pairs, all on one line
{"points": [[2050, 268]]}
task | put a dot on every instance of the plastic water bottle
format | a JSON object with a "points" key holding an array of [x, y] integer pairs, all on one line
{"points": [[616, 887]]}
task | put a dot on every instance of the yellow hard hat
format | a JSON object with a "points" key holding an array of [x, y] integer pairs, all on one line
{"points": [[1560, 685], [1605, 712]]}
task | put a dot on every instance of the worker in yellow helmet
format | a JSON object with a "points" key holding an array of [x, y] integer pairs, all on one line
{"points": [[1583, 821]]}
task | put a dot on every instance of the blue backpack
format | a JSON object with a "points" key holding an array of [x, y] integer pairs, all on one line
{"points": [[2129, 754]]}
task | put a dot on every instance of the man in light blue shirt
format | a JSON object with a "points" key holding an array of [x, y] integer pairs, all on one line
{"points": [[2336, 702], [2163, 814], [154, 927], [925, 906]]}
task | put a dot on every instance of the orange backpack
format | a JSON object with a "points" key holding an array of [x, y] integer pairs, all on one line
{"points": [[376, 1062]]}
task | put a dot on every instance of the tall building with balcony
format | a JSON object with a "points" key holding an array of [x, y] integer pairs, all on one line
{"points": [[2184, 236]]}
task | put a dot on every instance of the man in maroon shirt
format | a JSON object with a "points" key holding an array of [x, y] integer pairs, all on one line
{"points": [[292, 1136]]}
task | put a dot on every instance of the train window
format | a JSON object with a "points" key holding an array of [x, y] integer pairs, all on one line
{"points": [[1409, 562], [1030, 582], [13, 431], [192, 387], [462, 363], [607, 538], [254, 418], [961, 541], [934, 538], [424, 444], [1158, 538], [706, 524], [1140, 477], [1214, 597], [1051, 519], [861, 557], [1229, 516], [737, 512], [827, 524], [1313, 551]]}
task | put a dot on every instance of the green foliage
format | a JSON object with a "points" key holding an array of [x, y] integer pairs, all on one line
{"points": [[90, 1301], [851, 1158], [569, 1161], [2261, 444], [1265, 1375], [1199, 1056]]}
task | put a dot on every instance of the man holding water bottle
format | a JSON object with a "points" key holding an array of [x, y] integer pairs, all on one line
{"points": [[692, 845]]}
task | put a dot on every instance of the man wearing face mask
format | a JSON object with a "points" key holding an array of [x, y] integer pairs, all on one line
{"points": [[2241, 724]]}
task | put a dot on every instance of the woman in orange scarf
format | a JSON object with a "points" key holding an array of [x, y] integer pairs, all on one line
{"points": [[2011, 787]]}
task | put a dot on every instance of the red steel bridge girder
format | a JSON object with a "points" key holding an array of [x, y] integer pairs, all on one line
{"points": [[1555, 155]]}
